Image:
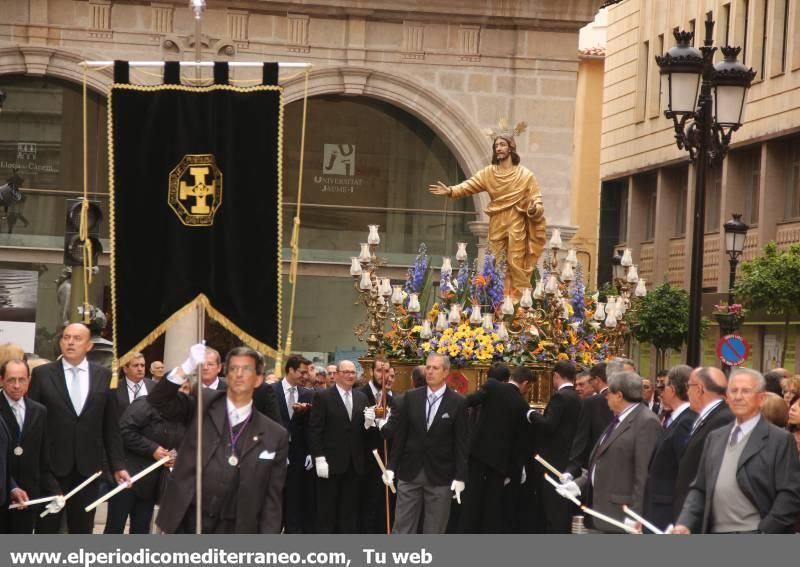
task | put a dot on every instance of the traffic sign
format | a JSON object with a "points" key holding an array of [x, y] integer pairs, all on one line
{"points": [[733, 350]]}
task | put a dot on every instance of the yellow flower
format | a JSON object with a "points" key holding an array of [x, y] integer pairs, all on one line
{"points": [[426, 346], [416, 328], [563, 356], [500, 348]]}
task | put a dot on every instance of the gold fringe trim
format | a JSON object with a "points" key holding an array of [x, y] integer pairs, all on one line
{"points": [[201, 299]]}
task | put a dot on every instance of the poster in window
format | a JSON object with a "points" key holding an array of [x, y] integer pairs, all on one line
{"points": [[18, 293]]}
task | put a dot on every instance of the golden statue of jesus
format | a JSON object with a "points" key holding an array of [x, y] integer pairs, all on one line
{"points": [[516, 214]]}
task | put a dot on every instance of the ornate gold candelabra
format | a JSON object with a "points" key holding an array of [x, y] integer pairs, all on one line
{"points": [[373, 292]]}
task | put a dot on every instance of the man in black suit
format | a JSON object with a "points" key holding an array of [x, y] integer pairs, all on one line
{"points": [[210, 373], [82, 425], [132, 386], [555, 431], [244, 452], [748, 480], [660, 488], [28, 464], [294, 402], [494, 456], [336, 436], [707, 388], [594, 418], [429, 452], [373, 500]]}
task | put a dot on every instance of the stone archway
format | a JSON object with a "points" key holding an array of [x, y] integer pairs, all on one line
{"points": [[455, 127]]}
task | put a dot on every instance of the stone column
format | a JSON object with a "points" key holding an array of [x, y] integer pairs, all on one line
{"points": [[179, 337]]}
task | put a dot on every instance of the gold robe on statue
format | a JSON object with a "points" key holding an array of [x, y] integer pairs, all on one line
{"points": [[513, 233]]}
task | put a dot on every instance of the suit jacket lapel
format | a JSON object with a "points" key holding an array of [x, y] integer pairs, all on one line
{"points": [[441, 410], [252, 438], [622, 427], [9, 417], [754, 443], [218, 412], [60, 383], [716, 451]]}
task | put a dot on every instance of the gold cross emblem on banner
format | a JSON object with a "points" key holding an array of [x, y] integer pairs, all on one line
{"points": [[195, 190]]}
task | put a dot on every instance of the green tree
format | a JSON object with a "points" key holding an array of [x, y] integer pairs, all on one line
{"points": [[771, 283], [661, 318]]}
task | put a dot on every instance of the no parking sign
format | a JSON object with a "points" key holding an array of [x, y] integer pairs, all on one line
{"points": [[733, 350]]}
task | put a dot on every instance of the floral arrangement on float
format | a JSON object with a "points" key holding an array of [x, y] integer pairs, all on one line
{"points": [[474, 320]]}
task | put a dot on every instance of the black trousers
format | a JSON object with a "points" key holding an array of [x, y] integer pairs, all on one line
{"points": [[124, 504], [555, 511], [78, 520], [373, 500], [484, 509], [295, 494], [337, 503]]}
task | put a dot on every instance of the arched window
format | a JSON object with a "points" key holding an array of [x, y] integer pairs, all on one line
{"points": [[368, 162]]}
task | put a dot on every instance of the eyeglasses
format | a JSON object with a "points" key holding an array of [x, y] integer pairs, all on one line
{"points": [[690, 384], [346, 371], [245, 368]]}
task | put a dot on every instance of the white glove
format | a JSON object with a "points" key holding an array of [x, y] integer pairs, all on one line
{"points": [[457, 486], [569, 489], [322, 467], [565, 478], [631, 523], [197, 355], [369, 417], [524, 476], [55, 506], [506, 481], [309, 463], [388, 478]]}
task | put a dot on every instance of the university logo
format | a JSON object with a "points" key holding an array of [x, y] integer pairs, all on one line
{"points": [[339, 159], [195, 190], [26, 151]]}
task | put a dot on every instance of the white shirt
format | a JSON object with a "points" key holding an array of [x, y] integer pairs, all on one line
{"points": [[132, 388], [214, 385], [747, 426], [286, 388], [432, 408], [375, 391], [20, 405], [83, 377], [238, 415], [704, 413], [344, 393]]}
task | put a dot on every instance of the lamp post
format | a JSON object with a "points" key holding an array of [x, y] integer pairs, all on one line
{"points": [[703, 126], [735, 234]]}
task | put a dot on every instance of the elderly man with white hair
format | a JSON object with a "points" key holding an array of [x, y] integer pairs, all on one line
{"points": [[749, 475]]}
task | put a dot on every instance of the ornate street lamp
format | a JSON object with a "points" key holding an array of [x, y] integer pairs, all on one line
{"points": [[703, 126], [735, 234]]}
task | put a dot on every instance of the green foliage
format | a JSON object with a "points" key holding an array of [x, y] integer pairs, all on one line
{"points": [[661, 318], [605, 290], [771, 282]]}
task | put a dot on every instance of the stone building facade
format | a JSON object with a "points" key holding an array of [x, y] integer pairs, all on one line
{"points": [[648, 183], [456, 67]]}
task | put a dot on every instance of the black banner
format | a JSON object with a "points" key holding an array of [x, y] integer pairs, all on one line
{"points": [[195, 210]]}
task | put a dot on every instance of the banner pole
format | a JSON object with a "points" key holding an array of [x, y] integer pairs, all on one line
{"points": [[201, 319]]}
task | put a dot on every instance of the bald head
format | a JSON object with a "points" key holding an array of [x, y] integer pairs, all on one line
{"points": [[706, 385], [75, 342]]}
